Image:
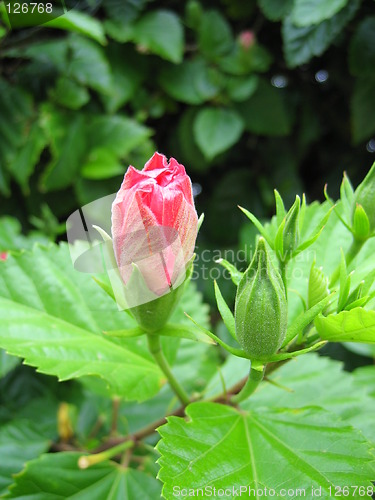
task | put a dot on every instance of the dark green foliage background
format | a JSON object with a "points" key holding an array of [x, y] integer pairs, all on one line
{"points": [[83, 99]]}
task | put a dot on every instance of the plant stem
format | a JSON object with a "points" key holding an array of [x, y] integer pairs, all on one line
{"points": [[283, 275], [354, 249], [115, 411], [154, 345], [254, 379], [87, 461]]}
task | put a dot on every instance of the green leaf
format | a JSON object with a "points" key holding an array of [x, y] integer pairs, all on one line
{"points": [[362, 49], [15, 117], [363, 110], [240, 88], [20, 441], [66, 134], [76, 21], [194, 453], [364, 376], [266, 112], [27, 156], [125, 11], [128, 71], [356, 325], [60, 332], [94, 144], [307, 12], [7, 363], [57, 476], [295, 384], [215, 36], [216, 130], [49, 52], [115, 135], [12, 239], [302, 43], [88, 64], [161, 33], [70, 94], [101, 163], [189, 151], [60, 348], [275, 10], [192, 82]]}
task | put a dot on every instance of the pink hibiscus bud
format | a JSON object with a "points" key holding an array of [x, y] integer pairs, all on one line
{"points": [[247, 39], [155, 224], [3, 255]]}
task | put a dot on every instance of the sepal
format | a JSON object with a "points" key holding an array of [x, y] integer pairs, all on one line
{"points": [[235, 274], [225, 312], [259, 226], [154, 314], [233, 350], [305, 319]]}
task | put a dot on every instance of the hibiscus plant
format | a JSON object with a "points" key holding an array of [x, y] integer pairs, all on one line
{"points": [[160, 401]]}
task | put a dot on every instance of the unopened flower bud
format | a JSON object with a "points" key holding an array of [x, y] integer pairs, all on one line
{"points": [[154, 227], [247, 39], [261, 308], [361, 223], [291, 231]]}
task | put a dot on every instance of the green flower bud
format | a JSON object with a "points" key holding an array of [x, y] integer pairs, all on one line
{"points": [[288, 234], [291, 228], [261, 310], [365, 196], [361, 223]]}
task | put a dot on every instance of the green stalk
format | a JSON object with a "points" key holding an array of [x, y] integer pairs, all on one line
{"points": [[353, 251], [283, 265], [254, 379], [154, 345], [88, 460]]}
